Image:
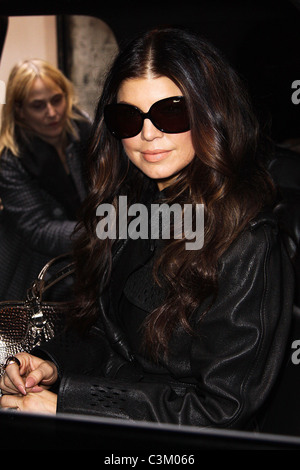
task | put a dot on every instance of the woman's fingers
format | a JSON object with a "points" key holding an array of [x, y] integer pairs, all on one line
{"points": [[10, 401], [42, 374], [12, 380], [16, 368], [28, 374], [42, 402]]}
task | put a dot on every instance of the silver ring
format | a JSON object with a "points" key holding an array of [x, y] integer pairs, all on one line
{"points": [[12, 360]]}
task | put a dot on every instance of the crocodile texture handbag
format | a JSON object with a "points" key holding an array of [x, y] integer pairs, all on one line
{"points": [[26, 323]]}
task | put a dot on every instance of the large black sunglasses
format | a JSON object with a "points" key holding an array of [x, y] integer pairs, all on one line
{"points": [[169, 115]]}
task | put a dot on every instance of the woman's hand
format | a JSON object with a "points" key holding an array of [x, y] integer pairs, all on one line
{"points": [[33, 375], [41, 402]]}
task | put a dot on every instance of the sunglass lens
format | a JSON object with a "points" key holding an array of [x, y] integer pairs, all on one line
{"points": [[123, 120], [171, 115]]}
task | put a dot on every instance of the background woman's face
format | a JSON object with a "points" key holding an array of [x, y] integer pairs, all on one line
{"points": [[44, 109], [159, 155]]}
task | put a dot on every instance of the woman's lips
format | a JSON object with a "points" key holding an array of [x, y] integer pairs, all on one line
{"points": [[53, 124], [153, 156]]}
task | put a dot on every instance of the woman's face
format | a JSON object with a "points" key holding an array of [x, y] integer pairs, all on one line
{"points": [[44, 109], [159, 155]]}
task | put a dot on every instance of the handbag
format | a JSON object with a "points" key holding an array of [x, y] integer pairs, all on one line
{"points": [[27, 323]]}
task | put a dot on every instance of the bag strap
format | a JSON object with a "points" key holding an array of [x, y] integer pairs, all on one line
{"points": [[40, 285]]}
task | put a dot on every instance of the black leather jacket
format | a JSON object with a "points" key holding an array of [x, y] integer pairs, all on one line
{"points": [[40, 205], [219, 377]]}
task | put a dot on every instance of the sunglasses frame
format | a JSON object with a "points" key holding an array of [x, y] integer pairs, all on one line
{"points": [[114, 106]]}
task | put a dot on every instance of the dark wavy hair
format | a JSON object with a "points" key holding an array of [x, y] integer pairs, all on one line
{"points": [[226, 176]]}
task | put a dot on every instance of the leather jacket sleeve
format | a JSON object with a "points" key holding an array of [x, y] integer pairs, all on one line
{"points": [[223, 375], [31, 211]]}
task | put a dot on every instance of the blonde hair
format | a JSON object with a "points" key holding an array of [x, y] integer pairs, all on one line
{"points": [[19, 84]]}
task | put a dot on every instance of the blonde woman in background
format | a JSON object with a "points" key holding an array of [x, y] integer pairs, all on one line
{"points": [[42, 141]]}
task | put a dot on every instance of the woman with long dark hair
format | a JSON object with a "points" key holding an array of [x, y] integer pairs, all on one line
{"points": [[166, 328]]}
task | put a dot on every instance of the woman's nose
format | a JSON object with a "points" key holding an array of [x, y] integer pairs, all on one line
{"points": [[51, 111], [149, 131]]}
